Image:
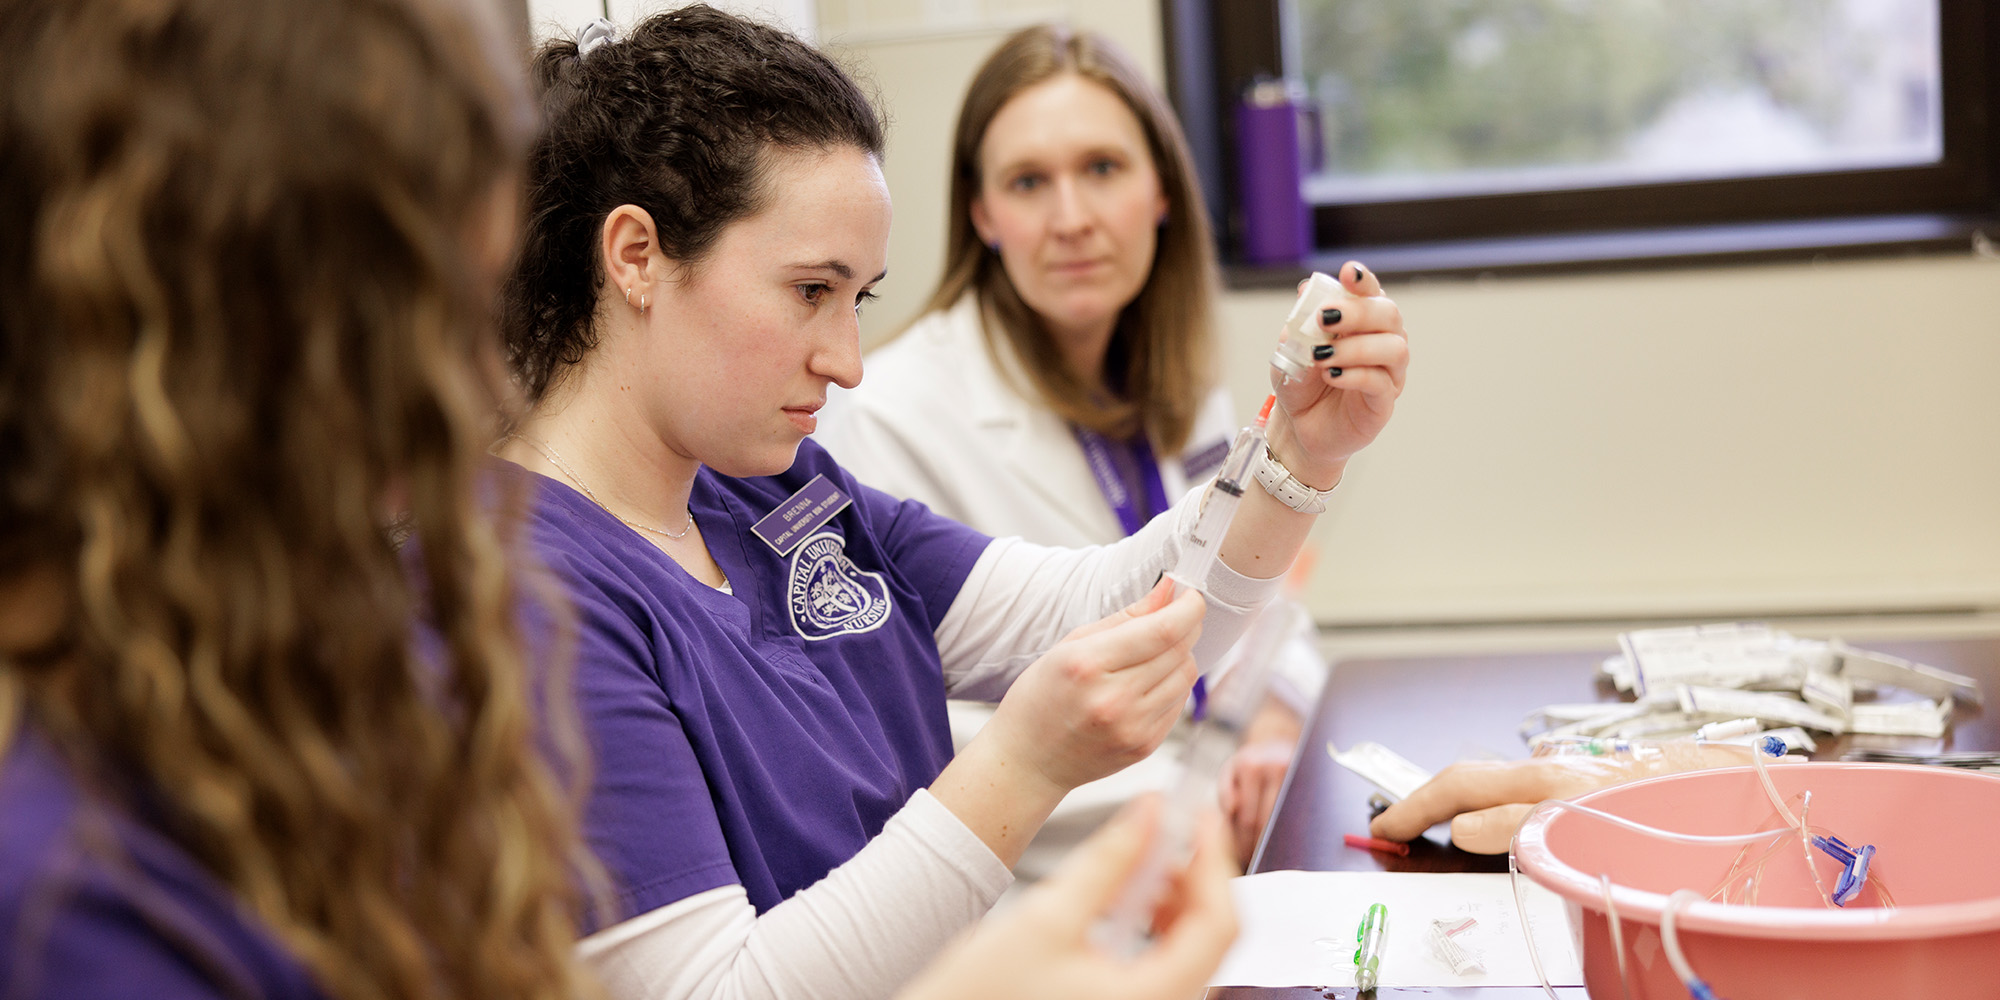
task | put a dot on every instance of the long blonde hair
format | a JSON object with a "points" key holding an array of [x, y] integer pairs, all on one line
{"points": [[243, 322], [1164, 336]]}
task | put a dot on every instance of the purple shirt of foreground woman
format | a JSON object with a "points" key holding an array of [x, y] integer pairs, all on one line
{"points": [[765, 735], [97, 904]]}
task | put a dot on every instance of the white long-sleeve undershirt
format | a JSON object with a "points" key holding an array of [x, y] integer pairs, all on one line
{"points": [[1020, 599], [861, 931]]}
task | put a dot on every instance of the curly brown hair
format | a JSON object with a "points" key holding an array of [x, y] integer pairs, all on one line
{"points": [[676, 118], [246, 316]]}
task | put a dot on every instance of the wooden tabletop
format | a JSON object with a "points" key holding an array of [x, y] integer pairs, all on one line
{"points": [[1436, 710]]}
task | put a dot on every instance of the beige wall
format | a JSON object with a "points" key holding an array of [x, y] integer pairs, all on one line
{"points": [[564, 18], [550, 18], [1710, 442]]}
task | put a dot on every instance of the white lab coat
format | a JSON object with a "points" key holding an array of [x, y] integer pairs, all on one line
{"points": [[937, 419]]}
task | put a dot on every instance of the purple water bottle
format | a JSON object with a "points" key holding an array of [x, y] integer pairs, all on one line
{"points": [[1277, 224]]}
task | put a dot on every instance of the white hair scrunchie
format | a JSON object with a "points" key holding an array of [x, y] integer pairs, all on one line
{"points": [[596, 35]]}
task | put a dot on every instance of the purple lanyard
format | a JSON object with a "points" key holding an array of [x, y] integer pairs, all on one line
{"points": [[1122, 470], [1118, 469]]}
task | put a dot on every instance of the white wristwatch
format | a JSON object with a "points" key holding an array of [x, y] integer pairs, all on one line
{"points": [[1280, 483]]}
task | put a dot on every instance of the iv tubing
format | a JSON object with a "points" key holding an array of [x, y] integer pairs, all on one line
{"points": [[1521, 909], [1695, 986], [1805, 845], [1671, 940], [1685, 838], [1617, 933], [1764, 775]]}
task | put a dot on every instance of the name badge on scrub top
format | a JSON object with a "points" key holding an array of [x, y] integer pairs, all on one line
{"points": [[801, 514]]}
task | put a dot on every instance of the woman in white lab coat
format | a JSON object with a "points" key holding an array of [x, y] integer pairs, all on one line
{"points": [[1060, 384]]}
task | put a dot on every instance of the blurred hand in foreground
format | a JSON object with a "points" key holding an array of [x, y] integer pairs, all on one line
{"points": [[1041, 946]]}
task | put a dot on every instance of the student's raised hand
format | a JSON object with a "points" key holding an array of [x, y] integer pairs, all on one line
{"points": [[1106, 695], [1487, 800], [1340, 410], [1041, 946]]}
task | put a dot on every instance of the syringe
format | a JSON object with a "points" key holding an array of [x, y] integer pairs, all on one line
{"points": [[1218, 509], [1127, 926]]}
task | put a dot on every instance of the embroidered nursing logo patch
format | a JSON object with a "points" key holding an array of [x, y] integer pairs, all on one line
{"points": [[830, 596]]}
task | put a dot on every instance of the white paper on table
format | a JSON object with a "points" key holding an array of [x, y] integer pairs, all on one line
{"points": [[1298, 929]]}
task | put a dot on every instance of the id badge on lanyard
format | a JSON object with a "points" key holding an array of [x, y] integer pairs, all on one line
{"points": [[1119, 490]]}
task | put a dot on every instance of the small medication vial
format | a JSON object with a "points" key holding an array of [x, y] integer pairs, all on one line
{"points": [[1302, 332]]}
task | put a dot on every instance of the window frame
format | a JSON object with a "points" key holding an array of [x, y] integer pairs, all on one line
{"points": [[1215, 47]]}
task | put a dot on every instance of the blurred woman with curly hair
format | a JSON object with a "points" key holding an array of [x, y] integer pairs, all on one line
{"points": [[245, 326]]}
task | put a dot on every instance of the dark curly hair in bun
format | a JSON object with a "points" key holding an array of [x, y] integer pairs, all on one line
{"points": [[676, 118]]}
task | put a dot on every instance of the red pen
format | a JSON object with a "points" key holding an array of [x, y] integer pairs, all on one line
{"points": [[1376, 844]]}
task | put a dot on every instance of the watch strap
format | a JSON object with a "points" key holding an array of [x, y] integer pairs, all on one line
{"points": [[1280, 483]]}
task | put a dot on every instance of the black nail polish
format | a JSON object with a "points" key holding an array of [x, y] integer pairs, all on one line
{"points": [[1329, 317], [1333, 373], [1322, 352], [1359, 274]]}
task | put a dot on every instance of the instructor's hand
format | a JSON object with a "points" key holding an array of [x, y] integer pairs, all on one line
{"points": [[1251, 779]]}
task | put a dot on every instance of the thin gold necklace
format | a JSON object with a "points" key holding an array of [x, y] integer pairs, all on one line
{"points": [[549, 453]]}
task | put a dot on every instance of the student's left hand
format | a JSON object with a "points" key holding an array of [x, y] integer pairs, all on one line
{"points": [[1328, 417]]}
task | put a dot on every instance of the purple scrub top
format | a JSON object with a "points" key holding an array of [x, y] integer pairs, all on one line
{"points": [[764, 736], [97, 904]]}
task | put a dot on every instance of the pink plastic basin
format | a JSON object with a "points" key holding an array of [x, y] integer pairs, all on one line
{"points": [[1933, 833]]}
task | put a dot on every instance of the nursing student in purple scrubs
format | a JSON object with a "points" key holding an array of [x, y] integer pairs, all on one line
{"points": [[246, 280], [764, 644], [1061, 383], [244, 317]]}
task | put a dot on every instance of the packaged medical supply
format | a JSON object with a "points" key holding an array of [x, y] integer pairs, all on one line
{"points": [[1384, 768], [1445, 944], [1684, 678]]}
